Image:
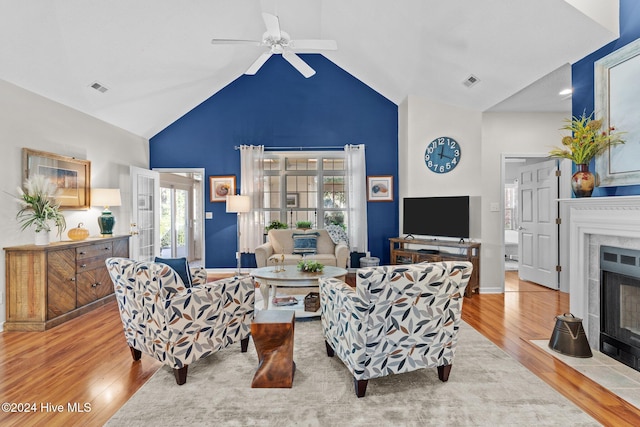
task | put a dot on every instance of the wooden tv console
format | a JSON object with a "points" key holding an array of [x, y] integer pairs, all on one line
{"points": [[412, 251]]}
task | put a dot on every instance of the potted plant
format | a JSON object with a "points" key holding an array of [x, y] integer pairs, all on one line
{"points": [[303, 224], [586, 141], [275, 225], [39, 209], [310, 266]]}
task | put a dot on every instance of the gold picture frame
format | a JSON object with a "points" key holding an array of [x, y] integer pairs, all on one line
{"points": [[380, 188], [71, 176], [220, 187]]}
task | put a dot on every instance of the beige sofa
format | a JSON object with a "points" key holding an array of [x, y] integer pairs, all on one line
{"points": [[280, 242]]}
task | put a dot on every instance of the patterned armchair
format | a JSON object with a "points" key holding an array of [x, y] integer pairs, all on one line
{"points": [[175, 324], [398, 319]]}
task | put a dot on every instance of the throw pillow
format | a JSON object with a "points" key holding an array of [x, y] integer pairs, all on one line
{"points": [[337, 234], [180, 266], [305, 243]]}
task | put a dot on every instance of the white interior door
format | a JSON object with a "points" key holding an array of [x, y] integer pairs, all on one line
{"points": [[538, 231], [145, 214]]}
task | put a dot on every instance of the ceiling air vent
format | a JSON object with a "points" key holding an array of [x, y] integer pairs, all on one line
{"points": [[470, 81], [100, 88]]}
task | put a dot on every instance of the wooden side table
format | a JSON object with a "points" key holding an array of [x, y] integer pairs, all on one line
{"points": [[272, 332]]}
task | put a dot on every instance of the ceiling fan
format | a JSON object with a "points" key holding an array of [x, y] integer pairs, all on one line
{"points": [[280, 43]]}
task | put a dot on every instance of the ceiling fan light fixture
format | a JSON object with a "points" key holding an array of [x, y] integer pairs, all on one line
{"points": [[279, 43]]}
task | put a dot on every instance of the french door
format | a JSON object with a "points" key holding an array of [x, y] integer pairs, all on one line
{"points": [[145, 214]]}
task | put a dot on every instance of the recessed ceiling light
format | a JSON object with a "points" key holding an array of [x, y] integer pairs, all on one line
{"points": [[565, 92]]}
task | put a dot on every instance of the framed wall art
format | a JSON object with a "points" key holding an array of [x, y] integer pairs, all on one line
{"points": [[292, 200], [220, 187], [70, 175], [617, 102], [380, 188]]}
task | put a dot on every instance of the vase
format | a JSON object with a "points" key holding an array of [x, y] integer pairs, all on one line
{"points": [[583, 181], [41, 238]]}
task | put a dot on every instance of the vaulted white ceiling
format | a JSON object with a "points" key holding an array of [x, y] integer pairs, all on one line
{"points": [[156, 59]]}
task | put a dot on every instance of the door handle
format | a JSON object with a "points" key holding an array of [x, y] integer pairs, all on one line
{"points": [[521, 228]]}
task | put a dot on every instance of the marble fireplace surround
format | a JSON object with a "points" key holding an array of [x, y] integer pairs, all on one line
{"points": [[612, 221]]}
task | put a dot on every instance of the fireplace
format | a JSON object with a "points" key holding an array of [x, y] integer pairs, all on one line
{"points": [[620, 304], [588, 224]]}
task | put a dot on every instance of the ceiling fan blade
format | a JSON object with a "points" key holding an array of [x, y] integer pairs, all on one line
{"points": [[236, 41], [299, 64], [273, 25], [258, 63], [314, 44]]}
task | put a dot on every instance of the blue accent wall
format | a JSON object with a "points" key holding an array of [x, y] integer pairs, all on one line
{"points": [[279, 107], [582, 75]]}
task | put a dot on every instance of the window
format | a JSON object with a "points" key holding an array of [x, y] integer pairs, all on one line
{"points": [[305, 187]]}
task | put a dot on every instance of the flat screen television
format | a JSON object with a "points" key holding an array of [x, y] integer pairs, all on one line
{"points": [[436, 216]]}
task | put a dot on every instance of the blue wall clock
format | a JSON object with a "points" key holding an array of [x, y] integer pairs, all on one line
{"points": [[442, 154]]}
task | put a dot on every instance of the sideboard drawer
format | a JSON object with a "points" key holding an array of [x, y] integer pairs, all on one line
{"points": [[103, 249], [90, 263]]}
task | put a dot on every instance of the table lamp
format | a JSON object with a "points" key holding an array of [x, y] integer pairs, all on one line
{"points": [[106, 197], [238, 204]]}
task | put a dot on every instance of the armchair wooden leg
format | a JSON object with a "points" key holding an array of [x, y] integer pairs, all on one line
{"points": [[443, 372], [330, 351], [360, 386], [181, 374], [136, 354], [244, 344]]}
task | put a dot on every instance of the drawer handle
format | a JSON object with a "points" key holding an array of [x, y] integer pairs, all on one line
{"points": [[73, 279], [82, 252], [96, 284], [83, 266]]}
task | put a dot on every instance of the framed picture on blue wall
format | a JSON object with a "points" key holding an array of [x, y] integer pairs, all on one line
{"points": [[380, 188], [220, 187]]}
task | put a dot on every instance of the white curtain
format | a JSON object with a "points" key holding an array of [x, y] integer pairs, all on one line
{"points": [[356, 197], [251, 174]]}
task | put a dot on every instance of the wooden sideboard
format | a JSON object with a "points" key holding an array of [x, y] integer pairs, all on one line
{"points": [[48, 285], [412, 251]]}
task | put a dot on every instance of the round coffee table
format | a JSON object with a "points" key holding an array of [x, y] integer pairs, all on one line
{"points": [[291, 277]]}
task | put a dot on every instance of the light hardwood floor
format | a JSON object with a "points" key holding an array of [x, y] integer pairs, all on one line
{"points": [[87, 361]]}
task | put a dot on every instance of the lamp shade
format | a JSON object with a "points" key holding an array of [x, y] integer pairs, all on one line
{"points": [[238, 204], [105, 197]]}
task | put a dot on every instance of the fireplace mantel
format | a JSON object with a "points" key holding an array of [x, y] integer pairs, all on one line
{"points": [[592, 221], [616, 202]]}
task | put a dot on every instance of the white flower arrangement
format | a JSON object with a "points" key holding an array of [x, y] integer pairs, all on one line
{"points": [[39, 207]]}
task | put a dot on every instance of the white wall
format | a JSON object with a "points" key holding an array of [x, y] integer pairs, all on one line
{"points": [[512, 134], [484, 137], [428, 120], [31, 121]]}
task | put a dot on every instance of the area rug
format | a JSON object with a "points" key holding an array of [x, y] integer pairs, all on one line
{"points": [[486, 388]]}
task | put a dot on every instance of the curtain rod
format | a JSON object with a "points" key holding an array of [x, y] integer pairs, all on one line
{"points": [[335, 147]]}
